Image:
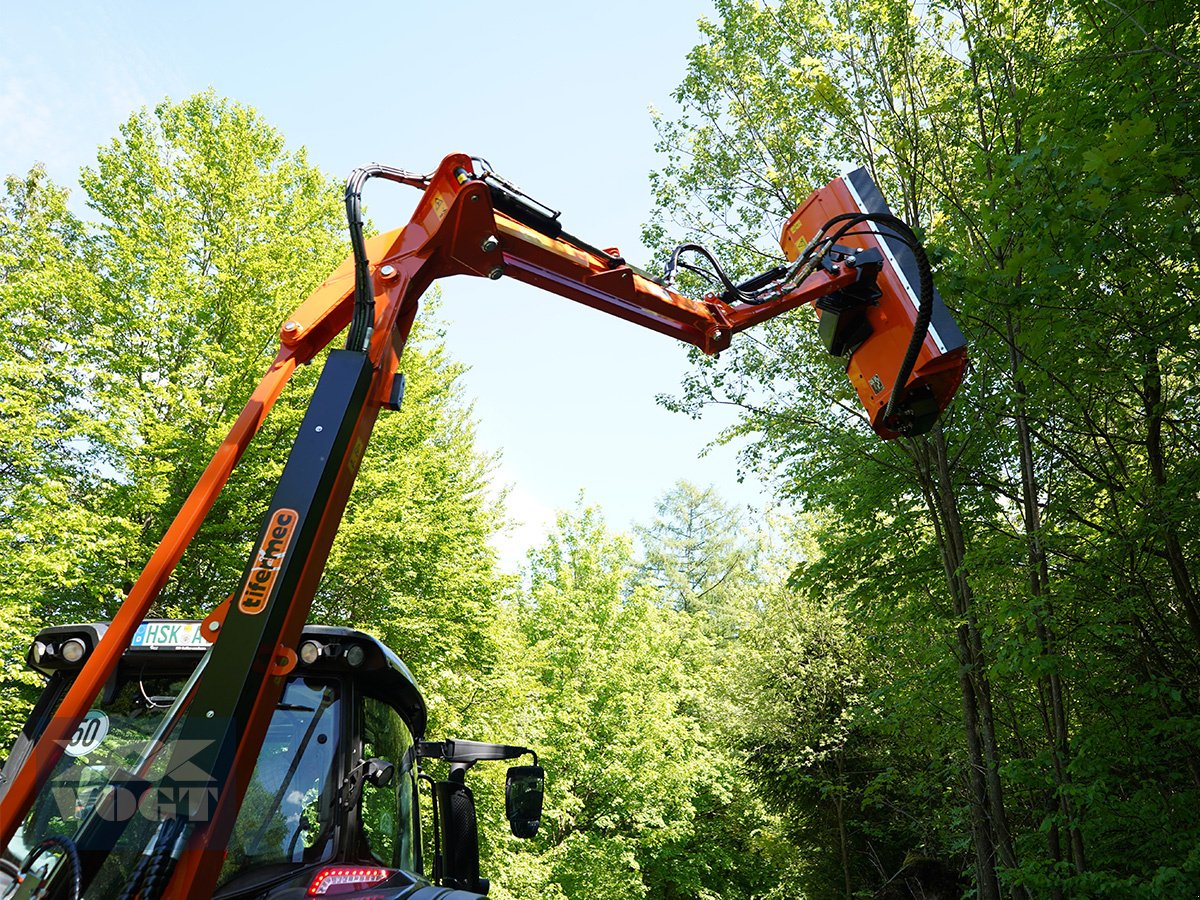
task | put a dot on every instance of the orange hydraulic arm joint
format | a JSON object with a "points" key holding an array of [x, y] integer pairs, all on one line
{"points": [[874, 295], [468, 221]]}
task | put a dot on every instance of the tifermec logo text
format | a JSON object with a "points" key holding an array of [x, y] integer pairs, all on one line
{"points": [[268, 561]]}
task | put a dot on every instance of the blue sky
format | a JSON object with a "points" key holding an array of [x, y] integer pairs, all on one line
{"points": [[556, 96]]}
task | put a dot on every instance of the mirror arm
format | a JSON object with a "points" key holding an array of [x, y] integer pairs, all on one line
{"points": [[457, 751], [437, 832], [374, 770]]}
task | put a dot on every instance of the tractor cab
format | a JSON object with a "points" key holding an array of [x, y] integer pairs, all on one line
{"points": [[332, 807]]}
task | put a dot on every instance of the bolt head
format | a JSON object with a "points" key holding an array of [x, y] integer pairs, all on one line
{"points": [[496, 272], [387, 271], [489, 244], [291, 326], [214, 626]]}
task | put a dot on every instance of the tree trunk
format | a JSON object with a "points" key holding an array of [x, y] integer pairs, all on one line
{"points": [[838, 804], [981, 831], [1152, 399], [1039, 578], [953, 544], [989, 822]]}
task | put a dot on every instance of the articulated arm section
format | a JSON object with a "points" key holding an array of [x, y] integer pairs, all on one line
{"points": [[878, 308], [465, 223], [475, 235]]}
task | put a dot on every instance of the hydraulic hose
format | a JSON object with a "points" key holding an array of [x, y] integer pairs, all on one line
{"points": [[70, 854], [363, 321], [908, 237], [153, 870], [775, 282]]}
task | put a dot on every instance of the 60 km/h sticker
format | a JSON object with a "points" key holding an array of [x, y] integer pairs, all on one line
{"points": [[89, 735]]}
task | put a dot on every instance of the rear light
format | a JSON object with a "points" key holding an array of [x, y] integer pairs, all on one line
{"points": [[346, 879]]}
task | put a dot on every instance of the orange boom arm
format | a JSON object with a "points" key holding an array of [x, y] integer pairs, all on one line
{"points": [[876, 305]]}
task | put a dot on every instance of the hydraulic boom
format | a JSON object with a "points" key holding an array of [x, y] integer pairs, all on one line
{"points": [[863, 270]]}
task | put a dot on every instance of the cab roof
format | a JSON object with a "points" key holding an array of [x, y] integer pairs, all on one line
{"points": [[178, 644]]}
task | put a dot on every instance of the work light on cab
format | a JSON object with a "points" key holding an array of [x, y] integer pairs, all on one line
{"points": [[73, 650], [310, 652]]}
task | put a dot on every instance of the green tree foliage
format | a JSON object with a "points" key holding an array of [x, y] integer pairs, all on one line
{"points": [[209, 232], [131, 343], [801, 677], [45, 485], [691, 548], [623, 693], [1037, 558], [607, 686]]}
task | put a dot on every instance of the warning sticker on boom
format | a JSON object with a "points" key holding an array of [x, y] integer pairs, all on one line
{"points": [[268, 561]]}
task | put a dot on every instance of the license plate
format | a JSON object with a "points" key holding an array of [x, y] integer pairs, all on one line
{"points": [[169, 636]]}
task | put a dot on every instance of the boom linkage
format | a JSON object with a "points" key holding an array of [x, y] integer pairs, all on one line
{"points": [[465, 223]]}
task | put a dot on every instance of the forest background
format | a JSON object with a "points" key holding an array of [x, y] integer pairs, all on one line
{"points": [[967, 658]]}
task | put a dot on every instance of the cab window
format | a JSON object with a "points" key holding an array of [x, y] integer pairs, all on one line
{"points": [[287, 812], [388, 813]]}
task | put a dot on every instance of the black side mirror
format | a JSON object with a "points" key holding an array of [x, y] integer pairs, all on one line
{"points": [[379, 771], [523, 793]]}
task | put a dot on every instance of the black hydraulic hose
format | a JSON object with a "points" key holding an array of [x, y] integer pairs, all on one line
{"points": [[908, 237], [70, 853], [673, 264], [139, 874], [920, 328], [363, 320], [162, 864]]}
